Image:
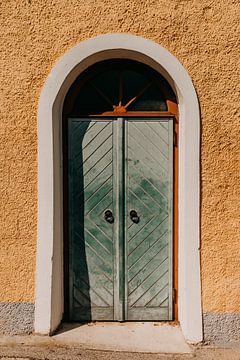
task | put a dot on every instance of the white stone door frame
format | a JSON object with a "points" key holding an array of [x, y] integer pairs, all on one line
{"points": [[49, 273]]}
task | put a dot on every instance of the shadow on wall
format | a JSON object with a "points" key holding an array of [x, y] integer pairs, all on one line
{"points": [[79, 285]]}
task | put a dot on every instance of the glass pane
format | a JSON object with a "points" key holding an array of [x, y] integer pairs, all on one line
{"points": [[108, 83], [133, 84], [89, 101], [98, 89], [151, 100]]}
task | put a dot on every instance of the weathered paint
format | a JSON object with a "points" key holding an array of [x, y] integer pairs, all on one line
{"points": [[91, 237], [149, 165], [120, 269]]}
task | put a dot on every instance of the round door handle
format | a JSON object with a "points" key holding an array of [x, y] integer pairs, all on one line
{"points": [[134, 216], [108, 216]]}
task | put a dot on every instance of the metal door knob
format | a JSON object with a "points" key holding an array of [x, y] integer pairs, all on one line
{"points": [[134, 216], [108, 216]]}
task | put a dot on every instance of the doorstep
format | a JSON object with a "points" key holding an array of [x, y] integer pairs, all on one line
{"points": [[151, 337], [145, 337], [148, 337]]}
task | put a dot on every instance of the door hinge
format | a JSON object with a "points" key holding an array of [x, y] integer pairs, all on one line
{"points": [[174, 295], [175, 139]]}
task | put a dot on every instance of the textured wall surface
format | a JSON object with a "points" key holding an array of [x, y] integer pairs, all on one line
{"points": [[16, 318], [221, 328], [204, 35]]}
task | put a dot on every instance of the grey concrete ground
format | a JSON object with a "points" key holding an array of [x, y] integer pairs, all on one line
{"points": [[50, 352]]}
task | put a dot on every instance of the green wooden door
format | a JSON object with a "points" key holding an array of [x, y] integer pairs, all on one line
{"points": [[91, 237], [148, 174], [120, 264]]}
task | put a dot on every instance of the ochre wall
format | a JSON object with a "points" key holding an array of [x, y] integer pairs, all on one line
{"points": [[204, 36]]}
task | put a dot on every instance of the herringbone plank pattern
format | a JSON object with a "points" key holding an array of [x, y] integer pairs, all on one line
{"points": [[91, 189], [95, 243], [148, 182]]}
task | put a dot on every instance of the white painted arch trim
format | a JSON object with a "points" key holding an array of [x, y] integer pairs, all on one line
{"points": [[49, 272]]}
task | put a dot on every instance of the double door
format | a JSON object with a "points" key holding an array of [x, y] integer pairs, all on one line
{"points": [[120, 210]]}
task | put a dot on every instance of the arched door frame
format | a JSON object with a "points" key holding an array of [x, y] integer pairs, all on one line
{"points": [[49, 273]]}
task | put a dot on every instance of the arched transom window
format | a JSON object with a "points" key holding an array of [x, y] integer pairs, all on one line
{"points": [[120, 87]]}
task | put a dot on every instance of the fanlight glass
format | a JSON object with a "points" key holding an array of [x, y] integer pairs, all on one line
{"points": [[118, 86]]}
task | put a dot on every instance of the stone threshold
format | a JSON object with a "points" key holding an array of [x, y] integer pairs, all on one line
{"points": [[146, 337]]}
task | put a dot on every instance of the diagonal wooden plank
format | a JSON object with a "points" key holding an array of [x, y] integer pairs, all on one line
{"points": [[159, 298], [87, 276], [137, 198], [151, 139], [139, 185], [160, 244], [80, 129], [103, 169], [138, 202], [162, 134], [149, 173], [99, 262], [81, 298], [164, 125], [147, 151], [97, 248], [104, 191], [144, 216], [149, 292], [91, 249], [91, 184], [97, 209], [98, 290], [92, 293], [150, 228], [148, 253], [157, 262], [85, 153], [84, 132], [159, 253], [83, 288], [149, 289], [84, 193], [88, 154], [83, 190], [90, 231], [100, 230], [146, 165], [165, 303], [106, 178], [87, 160], [145, 222], [143, 247], [151, 186], [88, 163], [100, 221], [95, 132]]}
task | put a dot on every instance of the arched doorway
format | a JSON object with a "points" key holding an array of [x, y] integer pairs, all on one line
{"points": [[49, 304], [120, 124]]}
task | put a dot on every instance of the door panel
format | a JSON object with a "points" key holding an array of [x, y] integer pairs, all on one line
{"points": [[120, 270], [91, 237], [148, 178]]}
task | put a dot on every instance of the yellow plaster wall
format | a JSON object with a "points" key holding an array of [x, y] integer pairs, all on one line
{"points": [[204, 36]]}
